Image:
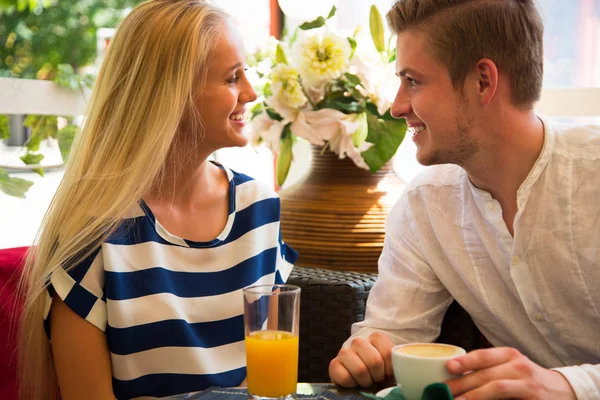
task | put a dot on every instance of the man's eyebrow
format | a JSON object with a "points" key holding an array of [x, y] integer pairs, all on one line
{"points": [[405, 71]]}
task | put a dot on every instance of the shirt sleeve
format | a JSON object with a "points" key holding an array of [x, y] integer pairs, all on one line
{"points": [[82, 290], [407, 302], [584, 379]]}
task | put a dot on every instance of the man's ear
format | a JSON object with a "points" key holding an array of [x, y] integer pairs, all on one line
{"points": [[486, 74]]}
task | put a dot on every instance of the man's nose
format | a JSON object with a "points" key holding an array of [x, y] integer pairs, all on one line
{"points": [[401, 106]]}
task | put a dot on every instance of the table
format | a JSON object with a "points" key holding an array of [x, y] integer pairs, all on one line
{"points": [[305, 391]]}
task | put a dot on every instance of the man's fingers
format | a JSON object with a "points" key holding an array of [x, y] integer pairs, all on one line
{"points": [[480, 359], [384, 346], [372, 359], [501, 389], [340, 375], [355, 366], [481, 378]]}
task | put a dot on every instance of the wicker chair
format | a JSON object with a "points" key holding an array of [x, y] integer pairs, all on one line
{"points": [[333, 300]]}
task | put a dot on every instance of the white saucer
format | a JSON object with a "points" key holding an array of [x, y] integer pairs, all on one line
{"points": [[385, 392]]}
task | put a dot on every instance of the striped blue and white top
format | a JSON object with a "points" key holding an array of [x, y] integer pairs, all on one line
{"points": [[171, 308]]}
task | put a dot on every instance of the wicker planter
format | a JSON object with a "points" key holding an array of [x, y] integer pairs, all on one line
{"points": [[334, 217]]}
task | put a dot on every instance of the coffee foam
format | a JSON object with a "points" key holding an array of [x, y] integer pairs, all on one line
{"points": [[429, 350]]}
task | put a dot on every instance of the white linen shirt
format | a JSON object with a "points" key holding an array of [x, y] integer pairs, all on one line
{"points": [[538, 291]]}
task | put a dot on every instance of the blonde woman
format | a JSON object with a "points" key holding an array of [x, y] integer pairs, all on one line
{"points": [[137, 272]]}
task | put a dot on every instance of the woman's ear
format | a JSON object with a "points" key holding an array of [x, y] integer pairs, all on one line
{"points": [[486, 74]]}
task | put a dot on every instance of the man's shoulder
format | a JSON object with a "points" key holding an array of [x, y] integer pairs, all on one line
{"points": [[577, 141], [437, 176]]}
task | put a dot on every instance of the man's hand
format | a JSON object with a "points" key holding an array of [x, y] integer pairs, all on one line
{"points": [[365, 361], [504, 373]]}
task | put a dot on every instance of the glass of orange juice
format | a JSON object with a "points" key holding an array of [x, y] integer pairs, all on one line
{"points": [[271, 322]]}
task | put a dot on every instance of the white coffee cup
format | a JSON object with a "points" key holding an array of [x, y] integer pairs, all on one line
{"points": [[417, 365]]}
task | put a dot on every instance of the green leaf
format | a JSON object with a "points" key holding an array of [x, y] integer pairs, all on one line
{"points": [[42, 127], [317, 23], [31, 120], [267, 89], [359, 136], [39, 171], [65, 138], [274, 115], [294, 37], [376, 26], [33, 144], [352, 42], [280, 57], [372, 108], [4, 131], [352, 79], [386, 135], [284, 160], [66, 77], [332, 12], [256, 110], [88, 80], [16, 187], [347, 105], [32, 158]]}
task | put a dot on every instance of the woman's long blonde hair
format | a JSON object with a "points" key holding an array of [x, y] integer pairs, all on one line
{"points": [[140, 118]]}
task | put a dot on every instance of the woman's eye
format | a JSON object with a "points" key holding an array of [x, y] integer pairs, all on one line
{"points": [[233, 80]]}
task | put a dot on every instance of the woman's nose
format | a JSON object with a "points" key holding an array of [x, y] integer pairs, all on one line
{"points": [[248, 95]]}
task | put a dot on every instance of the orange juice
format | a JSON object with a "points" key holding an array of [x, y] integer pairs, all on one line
{"points": [[272, 363]]}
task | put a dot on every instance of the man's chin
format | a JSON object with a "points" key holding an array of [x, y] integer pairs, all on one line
{"points": [[430, 159]]}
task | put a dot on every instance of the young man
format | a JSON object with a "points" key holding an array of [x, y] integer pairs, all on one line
{"points": [[506, 222]]}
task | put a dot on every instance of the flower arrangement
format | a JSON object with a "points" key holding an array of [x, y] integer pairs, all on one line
{"points": [[330, 90]]}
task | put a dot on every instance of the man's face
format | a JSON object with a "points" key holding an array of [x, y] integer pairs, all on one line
{"points": [[439, 117]]}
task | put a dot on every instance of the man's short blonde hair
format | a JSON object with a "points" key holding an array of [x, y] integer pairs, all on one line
{"points": [[461, 32]]}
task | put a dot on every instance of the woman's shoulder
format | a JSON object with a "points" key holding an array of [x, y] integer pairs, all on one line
{"points": [[246, 187]]}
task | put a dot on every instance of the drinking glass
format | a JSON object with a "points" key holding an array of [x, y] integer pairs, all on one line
{"points": [[271, 323]]}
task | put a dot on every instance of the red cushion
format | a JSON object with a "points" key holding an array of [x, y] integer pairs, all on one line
{"points": [[11, 263]]}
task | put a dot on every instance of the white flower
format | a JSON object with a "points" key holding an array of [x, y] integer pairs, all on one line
{"points": [[287, 113], [286, 86], [302, 128], [265, 130], [343, 143], [378, 79], [337, 129], [321, 58]]}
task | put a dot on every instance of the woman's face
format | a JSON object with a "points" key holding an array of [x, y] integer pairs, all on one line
{"points": [[222, 102]]}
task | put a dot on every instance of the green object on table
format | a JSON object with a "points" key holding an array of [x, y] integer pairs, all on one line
{"points": [[435, 391]]}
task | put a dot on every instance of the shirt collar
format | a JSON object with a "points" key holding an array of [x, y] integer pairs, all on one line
{"points": [[536, 170], [542, 160]]}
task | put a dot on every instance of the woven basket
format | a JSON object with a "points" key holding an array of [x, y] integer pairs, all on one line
{"points": [[335, 216], [330, 302]]}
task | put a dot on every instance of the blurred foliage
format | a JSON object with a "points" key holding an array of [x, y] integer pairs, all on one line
{"points": [[4, 132], [38, 35], [50, 40]]}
